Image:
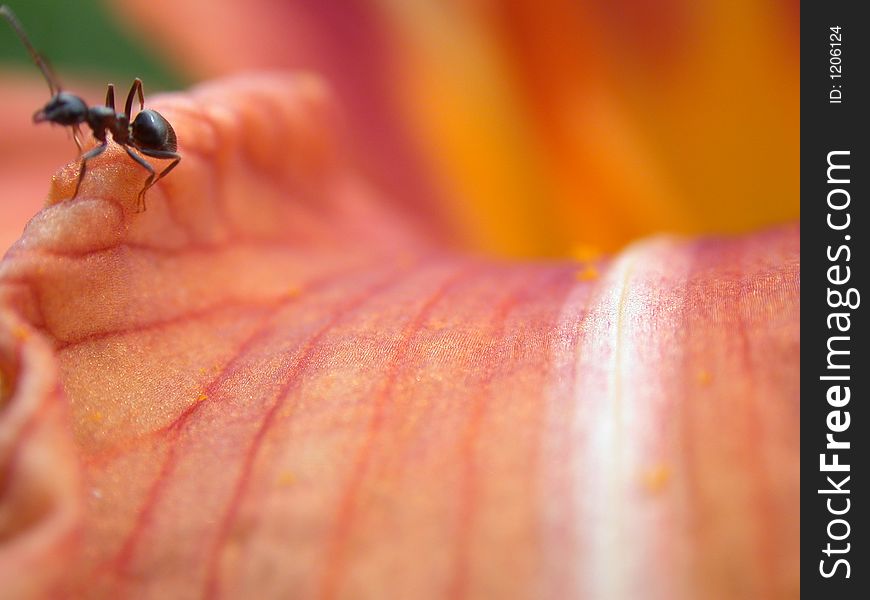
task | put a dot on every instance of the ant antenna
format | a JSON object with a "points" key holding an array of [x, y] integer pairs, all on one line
{"points": [[53, 85]]}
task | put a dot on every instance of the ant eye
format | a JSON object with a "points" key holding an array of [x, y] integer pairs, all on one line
{"points": [[63, 109]]}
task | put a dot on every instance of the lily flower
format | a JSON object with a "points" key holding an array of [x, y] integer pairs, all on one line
{"points": [[290, 377]]}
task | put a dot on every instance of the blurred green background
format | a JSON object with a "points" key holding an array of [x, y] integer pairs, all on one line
{"points": [[82, 40]]}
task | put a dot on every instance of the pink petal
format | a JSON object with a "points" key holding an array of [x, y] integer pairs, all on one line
{"points": [[269, 386]]}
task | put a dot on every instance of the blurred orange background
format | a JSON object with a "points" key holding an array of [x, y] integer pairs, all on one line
{"points": [[553, 124], [534, 128]]}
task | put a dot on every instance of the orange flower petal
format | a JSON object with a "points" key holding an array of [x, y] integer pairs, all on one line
{"points": [[540, 124], [274, 387]]}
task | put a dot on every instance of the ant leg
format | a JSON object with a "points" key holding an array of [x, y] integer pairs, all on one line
{"points": [[83, 169], [135, 89], [165, 154], [152, 178], [140, 200], [76, 133], [110, 96]]}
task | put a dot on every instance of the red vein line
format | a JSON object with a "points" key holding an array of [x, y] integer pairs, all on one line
{"points": [[347, 505], [276, 303], [468, 488], [183, 317], [766, 552], [207, 311], [212, 584], [696, 517], [125, 554]]}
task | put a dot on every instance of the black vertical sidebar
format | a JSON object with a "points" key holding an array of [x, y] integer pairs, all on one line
{"points": [[835, 362]]}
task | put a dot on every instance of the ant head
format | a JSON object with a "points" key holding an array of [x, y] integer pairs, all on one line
{"points": [[63, 109]]}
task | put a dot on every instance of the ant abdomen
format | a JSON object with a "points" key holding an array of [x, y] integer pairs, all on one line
{"points": [[151, 131]]}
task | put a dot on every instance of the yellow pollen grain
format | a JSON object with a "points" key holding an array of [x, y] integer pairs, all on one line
{"points": [[96, 416], [590, 273], [585, 252], [438, 324], [202, 397], [704, 377], [656, 478], [286, 478]]}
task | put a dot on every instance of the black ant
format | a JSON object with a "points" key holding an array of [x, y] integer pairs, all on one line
{"points": [[149, 133]]}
